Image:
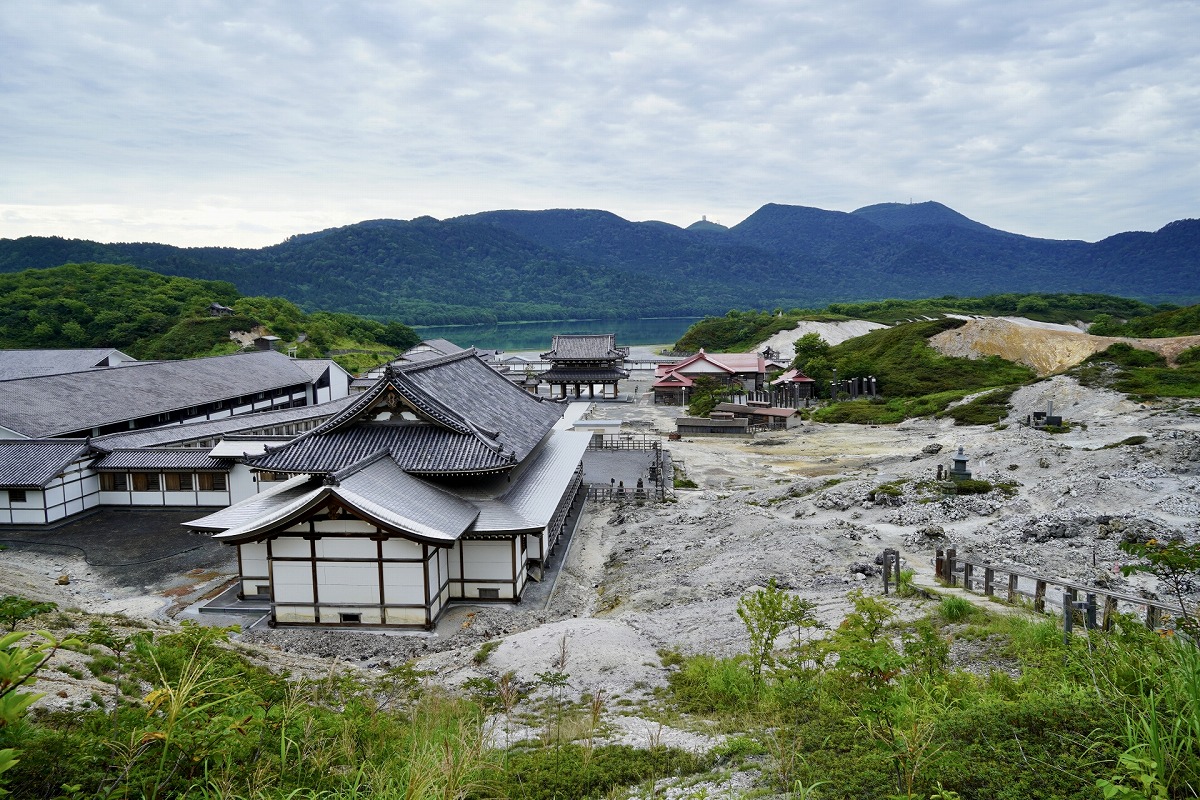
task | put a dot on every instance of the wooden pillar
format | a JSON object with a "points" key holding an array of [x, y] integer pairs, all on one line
{"points": [[988, 575], [1039, 597], [1012, 588], [1153, 616], [968, 569], [1110, 612]]}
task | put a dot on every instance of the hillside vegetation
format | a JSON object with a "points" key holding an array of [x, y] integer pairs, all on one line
{"points": [[874, 709], [571, 264], [743, 330], [153, 316]]}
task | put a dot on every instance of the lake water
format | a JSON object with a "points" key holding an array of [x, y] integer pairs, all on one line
{"points": [[515, 336]]}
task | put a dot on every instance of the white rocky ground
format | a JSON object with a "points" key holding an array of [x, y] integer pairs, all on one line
{"points": [[793, 506]]}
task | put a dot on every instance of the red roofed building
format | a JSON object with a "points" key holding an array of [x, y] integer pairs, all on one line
{"points": [[673, 382], [794, 385]]}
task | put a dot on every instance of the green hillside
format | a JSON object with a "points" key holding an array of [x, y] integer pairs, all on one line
{"points": [[154, 316]]}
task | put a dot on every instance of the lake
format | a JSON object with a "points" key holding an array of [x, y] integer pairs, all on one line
{"points": [[515, 336]]}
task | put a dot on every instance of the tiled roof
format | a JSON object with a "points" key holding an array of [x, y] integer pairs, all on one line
{"points": [[217, 428], [180, 460], [673, 380], [443, 347], [448, 415], [585, 347], [792, 376], [565, 373], [380, 491], [375, 487], [36, 462], [314, 368], [50, 405], [16, 364], [756, 411], [730, 362], [536, 492]]}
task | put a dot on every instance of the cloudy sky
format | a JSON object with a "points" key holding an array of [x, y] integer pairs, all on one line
{"points": [[240, 123]]}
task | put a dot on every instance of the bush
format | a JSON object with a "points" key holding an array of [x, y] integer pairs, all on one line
{"points": [[955, 609]]}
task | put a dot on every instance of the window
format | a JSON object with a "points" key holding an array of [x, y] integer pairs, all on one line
{"points": [[489, 594], [211, 481], [16, 496], [350, 619], [145, 481], [264, 590], [114, 482], [179, 482], [271, 476]]}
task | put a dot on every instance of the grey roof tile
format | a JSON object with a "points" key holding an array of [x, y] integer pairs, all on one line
{"points": [[218, 428], [17, 364], [52, 405], [177, 460], [468, 419], [585, 347], [36, 462]]}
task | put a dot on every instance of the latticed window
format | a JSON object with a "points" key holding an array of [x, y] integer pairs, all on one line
{"points": [[145, 481], [212, 481], [179, 482], [114, 482]]}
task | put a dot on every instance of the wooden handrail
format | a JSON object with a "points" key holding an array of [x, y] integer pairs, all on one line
{"points": [[950, 565]]}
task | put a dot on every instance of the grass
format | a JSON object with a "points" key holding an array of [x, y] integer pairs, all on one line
{"points": [[956, 609], [1139, 373]]}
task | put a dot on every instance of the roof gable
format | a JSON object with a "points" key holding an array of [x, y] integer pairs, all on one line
{"points": [[449, 415]]}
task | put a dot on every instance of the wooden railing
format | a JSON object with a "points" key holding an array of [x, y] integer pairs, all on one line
{"points": [[625, 441], [1014, 585]]}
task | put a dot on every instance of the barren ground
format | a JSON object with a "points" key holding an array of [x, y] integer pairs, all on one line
{"points": [[794, 506]]}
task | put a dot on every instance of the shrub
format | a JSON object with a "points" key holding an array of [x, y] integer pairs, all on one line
{"points": [[955, 609]]}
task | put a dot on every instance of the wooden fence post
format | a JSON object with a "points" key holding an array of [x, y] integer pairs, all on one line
{"points": [[968, 569], [1110, 610], [1039, 597], [988, 575], [1012, 588]]}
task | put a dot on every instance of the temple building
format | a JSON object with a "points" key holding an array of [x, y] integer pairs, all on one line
{"points": [[674, 382], [442, 481], [589, 360]]}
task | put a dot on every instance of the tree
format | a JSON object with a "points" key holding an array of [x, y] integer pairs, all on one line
{"points": [[767, 614], [808, 347], [14, 609], [706, 393], [1175, 563]]}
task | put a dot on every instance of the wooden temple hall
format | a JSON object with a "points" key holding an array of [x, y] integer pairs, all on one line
{"points": [[579, 361], [443, 481]]}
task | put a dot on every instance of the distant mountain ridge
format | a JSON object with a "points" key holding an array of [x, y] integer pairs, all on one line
{"points": [[571, 263]]}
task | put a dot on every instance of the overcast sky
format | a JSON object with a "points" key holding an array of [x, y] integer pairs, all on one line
{"points": [[204, 122]]}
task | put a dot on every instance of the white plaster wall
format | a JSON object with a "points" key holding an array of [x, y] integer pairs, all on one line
{"points": [[292, 582], [348, 583], [403, 583]]}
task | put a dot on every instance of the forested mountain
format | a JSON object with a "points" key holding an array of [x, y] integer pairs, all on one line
{"points": [[153, 316], [525, 265]]}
